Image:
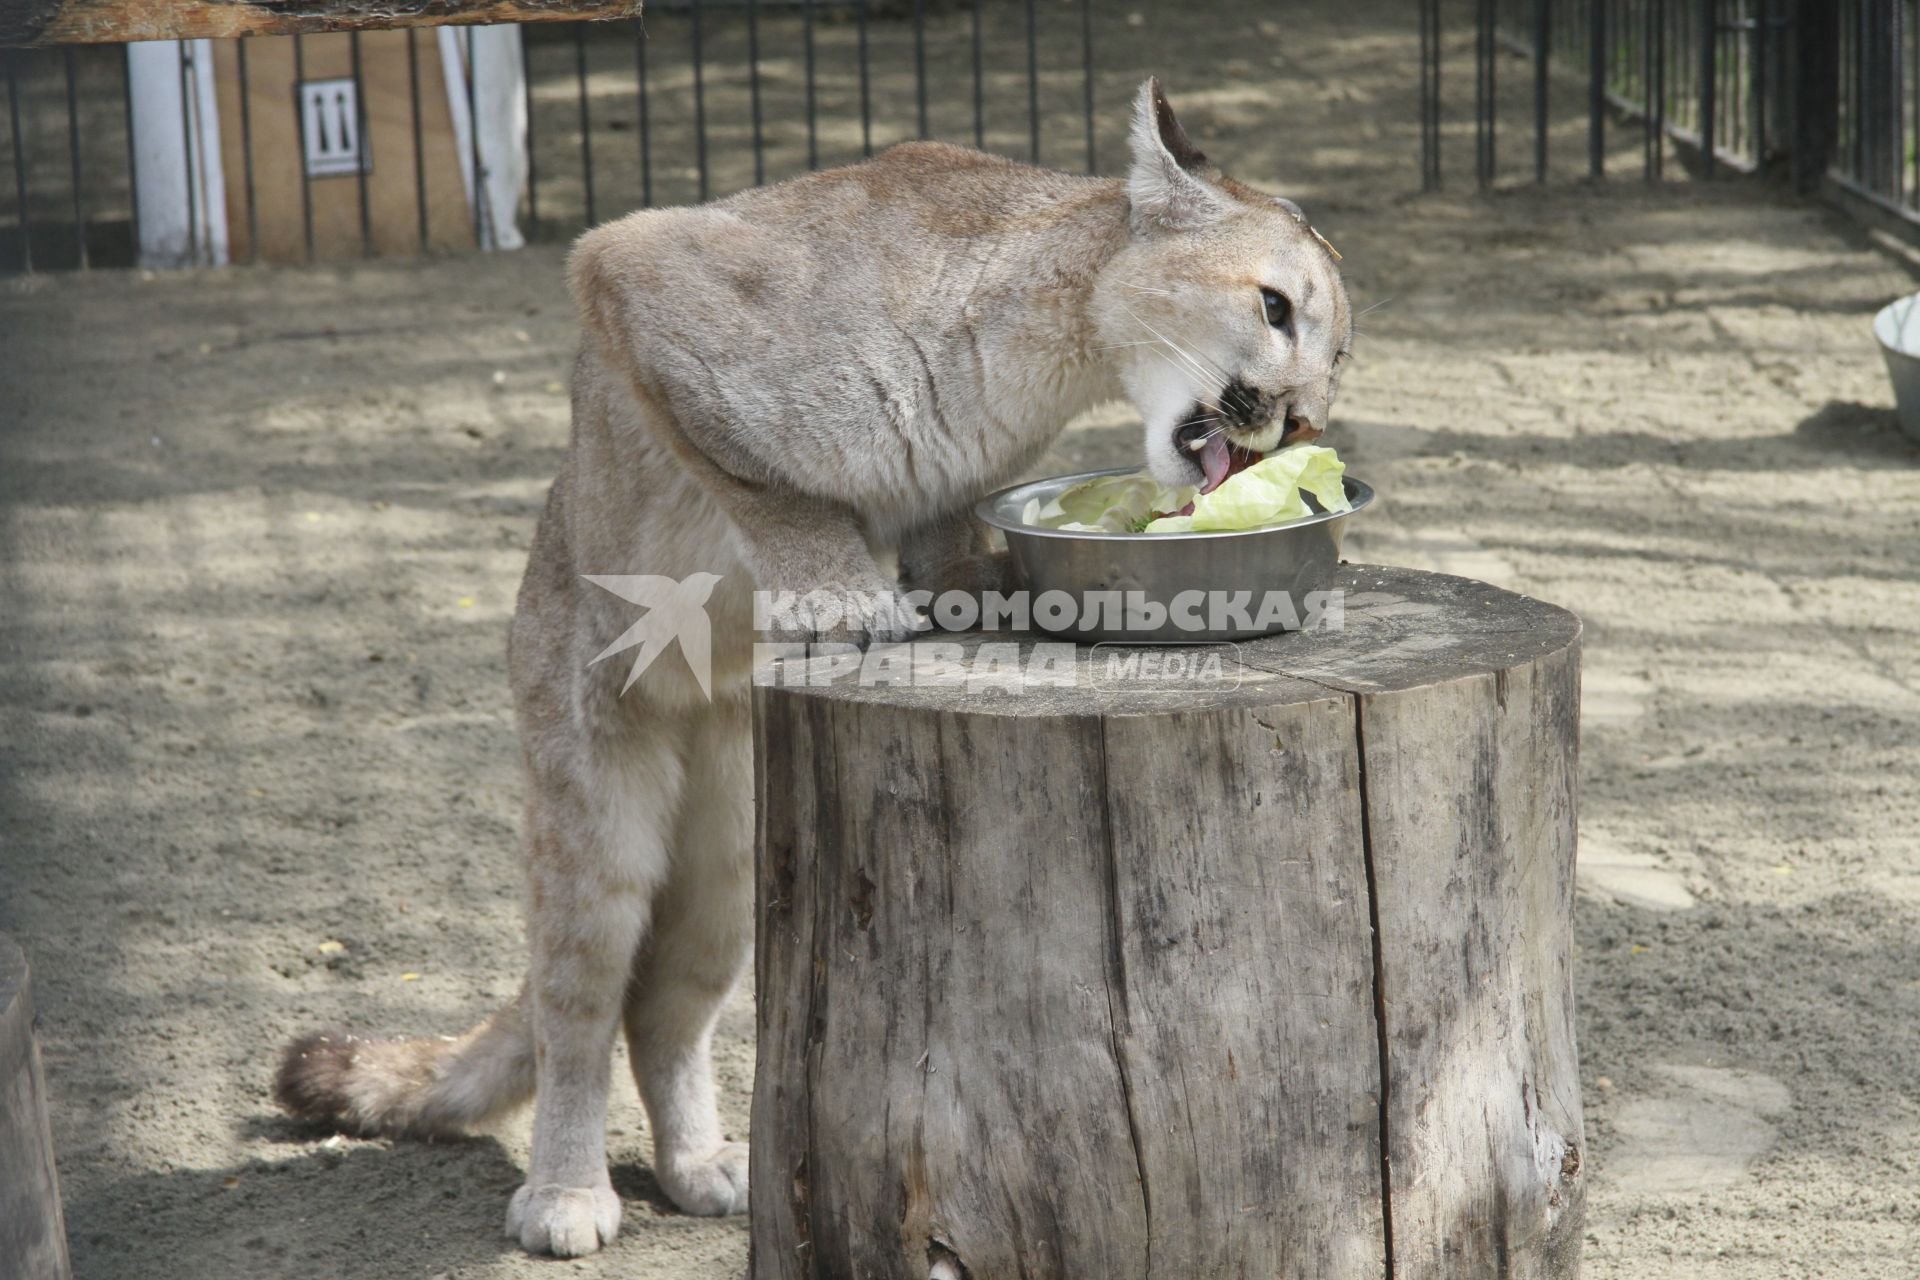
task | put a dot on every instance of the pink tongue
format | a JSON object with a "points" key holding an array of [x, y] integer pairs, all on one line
{"points": [[1215, 462]]}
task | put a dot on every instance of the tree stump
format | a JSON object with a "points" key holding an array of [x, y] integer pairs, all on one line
{"points": [[33, 1238], [1187, 978]]}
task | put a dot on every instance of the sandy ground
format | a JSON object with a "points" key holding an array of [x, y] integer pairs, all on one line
{"points": [[262, 532]]}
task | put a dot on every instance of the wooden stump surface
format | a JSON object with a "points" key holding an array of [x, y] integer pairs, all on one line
{"points": [[1209, 977]]}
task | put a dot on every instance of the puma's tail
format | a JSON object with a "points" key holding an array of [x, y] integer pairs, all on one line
{"points": [[419, 1087]]}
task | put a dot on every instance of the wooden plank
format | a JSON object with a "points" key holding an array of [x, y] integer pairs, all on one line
{"points": [[391, 188], [1470, 791], [33, 1236], [950, 1003], [50, 22], [787, 800], [975, 929], [1245, 989]]}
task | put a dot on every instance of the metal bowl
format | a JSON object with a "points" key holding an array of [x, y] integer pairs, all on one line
{"points": [[1192, 588], [1897, 328]]}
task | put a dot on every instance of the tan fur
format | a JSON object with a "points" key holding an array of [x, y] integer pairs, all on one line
{"points": [[767, 385]]}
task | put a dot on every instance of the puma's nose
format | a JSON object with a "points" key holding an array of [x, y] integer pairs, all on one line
{"points": [[1248, 407]]}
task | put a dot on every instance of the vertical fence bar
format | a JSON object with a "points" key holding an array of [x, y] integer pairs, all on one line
{"points": [[1880, 111], [1857, 89], [1815, 94], [73, 158], [1429, 95], [19, 158], [1891, 63], [1033, 82], [979, 92], [1842, 152], [360, 140], [700, 98], [1761, 81], [866, 85], [133, 157], [1896, 102], [920, 64], [419, 148], [246, 150], [646, 122], [1542, 45], [1597, 62], [481, 240], [1729, 79], [1484, 97], [300, 122], [1863, 92], [1656, 77], [813, 120], [1426, 62], [753, 91], [1709, 29], [1086, 59], [527, 136], [1858, 114], [187, 115], [1633, 26], [586, 118]]}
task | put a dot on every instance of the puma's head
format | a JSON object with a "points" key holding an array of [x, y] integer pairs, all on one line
{"points": [[1225, 314]]}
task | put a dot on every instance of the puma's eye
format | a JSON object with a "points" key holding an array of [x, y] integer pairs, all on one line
{"points": [[1279, 310]]}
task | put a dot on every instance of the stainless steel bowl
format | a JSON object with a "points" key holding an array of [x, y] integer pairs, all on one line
{"points": [[1154, 572], [1897, 328]]}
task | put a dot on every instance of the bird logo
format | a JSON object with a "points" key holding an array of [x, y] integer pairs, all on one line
{"points": [[675, 610]]}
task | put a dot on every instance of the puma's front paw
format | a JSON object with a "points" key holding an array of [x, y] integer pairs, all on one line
{"points": [[564, 1221], [709, 1186], [877, 615]]}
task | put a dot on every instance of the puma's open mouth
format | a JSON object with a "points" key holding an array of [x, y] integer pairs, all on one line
{"points": [[1206, 443], [1207, 447]]}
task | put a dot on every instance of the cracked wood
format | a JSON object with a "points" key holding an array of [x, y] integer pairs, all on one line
{"points": [[1086, 983]]}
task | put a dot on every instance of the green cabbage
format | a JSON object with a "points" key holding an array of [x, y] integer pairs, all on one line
{"points": [[1108, 504], [1266, 493]]}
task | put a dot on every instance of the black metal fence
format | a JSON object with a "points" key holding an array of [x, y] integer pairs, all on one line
{"points": [[720, 96], [1875, 69], [704, 97], [69, 167], [699, 98], [1707, 76], [1827, 91]]}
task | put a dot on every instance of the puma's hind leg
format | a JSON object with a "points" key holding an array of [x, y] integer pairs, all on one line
{"points": [[599, 828], [700, 945]]}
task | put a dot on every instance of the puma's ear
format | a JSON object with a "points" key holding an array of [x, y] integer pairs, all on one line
{"points": [[1168, 184]]}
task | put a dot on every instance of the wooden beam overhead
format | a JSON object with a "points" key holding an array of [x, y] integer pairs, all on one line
{"points": [[51, 22]]}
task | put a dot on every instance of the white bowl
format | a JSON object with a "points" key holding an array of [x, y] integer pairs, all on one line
{"points": [[1897, 328]]}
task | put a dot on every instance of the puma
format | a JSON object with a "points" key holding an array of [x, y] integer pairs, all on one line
{"points": [[769, 386]]}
